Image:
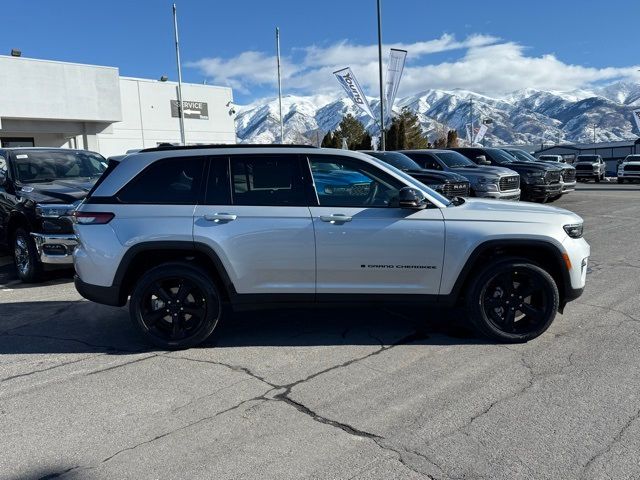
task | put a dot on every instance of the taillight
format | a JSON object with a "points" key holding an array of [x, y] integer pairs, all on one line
{"points": [[92, 218]]}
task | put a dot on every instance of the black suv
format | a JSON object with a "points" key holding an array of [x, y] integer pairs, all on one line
{"points": [[449, 184], [539, 182], [39, 189]]}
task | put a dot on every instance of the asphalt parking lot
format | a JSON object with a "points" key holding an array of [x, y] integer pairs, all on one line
{"points": [[361, 393]]}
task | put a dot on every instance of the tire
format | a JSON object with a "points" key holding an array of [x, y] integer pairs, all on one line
{"points": [[25, 257], [553, 199], [597, 179], [620, 180], [494, 288], [160, 297]]}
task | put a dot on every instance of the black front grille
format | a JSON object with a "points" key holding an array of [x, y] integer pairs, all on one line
{"points": [[584, 166], [509, 183], [569, 175], [632, 168], [552, 177], [456, 189]]}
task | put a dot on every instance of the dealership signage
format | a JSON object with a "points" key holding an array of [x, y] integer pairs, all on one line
{"points": [[197, 110]]}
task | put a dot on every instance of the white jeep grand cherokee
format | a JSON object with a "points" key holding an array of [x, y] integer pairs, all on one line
{"points": [[182, 231]]}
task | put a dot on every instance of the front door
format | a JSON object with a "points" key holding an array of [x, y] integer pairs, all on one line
{"points": [[363, 243], [257, 220]]}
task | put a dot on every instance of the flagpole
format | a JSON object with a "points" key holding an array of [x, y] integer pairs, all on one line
{"points": [[382, 140], [180, 109], [279, 85]]}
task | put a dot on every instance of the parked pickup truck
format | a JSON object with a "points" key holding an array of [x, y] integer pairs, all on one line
{"points": [[39, 189], [590, 167], [540, 181], [629, 169], [449, 184], [487, 182], [568, 179]]}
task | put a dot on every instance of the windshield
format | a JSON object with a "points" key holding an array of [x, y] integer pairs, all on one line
{"points": [[455, 159], [500, 156], [32, 166], [397, 159], [522, 155], [587, 158]]}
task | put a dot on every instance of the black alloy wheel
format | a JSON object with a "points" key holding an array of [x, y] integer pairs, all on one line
{"points": [[175, 306], [25, 257], [513, 301]]}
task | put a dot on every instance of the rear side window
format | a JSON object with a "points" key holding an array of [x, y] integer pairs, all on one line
{"points": [[267, 180], [173, 181]]}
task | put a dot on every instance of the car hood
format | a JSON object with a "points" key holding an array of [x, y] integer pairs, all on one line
{"points": [[635, 162], [484, 171], [436, 176], [504, 211], [57, 191]]}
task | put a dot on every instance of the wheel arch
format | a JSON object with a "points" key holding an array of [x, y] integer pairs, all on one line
{"points": [[143, 256], [545, 254]]}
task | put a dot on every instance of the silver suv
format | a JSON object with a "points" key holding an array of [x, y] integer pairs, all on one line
{"points": [[183, 232]]}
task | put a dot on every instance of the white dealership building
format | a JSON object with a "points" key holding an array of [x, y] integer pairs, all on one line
{"points": [[58, 104]]}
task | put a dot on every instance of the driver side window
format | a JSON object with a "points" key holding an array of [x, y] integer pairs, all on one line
{"points": [[343, 182]]}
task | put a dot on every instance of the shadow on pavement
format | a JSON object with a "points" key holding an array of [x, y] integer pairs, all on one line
{"points": [[9, 278], [86, 327]]}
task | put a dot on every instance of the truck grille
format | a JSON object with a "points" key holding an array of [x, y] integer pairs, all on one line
{"points": [[584, 166], [568, 175], [509, 183], [632, 168], [457, 189], [552, 177]]}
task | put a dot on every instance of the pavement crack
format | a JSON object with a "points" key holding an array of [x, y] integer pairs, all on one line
{"points": [[107, 348], [120, 365], [602, 452], [52, 367], [58, 474], [235, 368]]}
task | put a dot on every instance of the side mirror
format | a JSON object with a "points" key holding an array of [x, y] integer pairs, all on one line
{"points": [[482, 160], [412, 198]]}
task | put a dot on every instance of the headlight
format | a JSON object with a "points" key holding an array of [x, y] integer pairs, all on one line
{"points": [[574, 230], [534, 177], [54, 211]]}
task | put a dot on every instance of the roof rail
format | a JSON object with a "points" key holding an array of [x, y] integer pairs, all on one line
{"points": [[161, 148]]}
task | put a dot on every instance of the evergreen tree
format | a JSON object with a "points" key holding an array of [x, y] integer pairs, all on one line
{"points": [[327, 140], [365, 143], [392, 136], [405, 132], [402, 136], [353, 130], [440, 143], [452, 139]]}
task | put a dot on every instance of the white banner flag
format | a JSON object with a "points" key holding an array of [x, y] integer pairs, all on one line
{"points": [[394, 74], [348, 81], [480, 135], [636, 116]]}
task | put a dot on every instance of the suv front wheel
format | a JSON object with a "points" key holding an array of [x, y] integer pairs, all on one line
{"points": [[175, 305], [513, 301]]}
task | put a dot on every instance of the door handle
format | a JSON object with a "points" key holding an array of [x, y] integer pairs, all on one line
{"points": [[335, 218], [220, 217]]}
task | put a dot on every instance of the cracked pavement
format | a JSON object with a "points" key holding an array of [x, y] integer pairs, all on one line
{"points": [[353, 394]]}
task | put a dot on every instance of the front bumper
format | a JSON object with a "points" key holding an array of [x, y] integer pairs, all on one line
{"points": [[569, 187], [586, 174], [55, 249], [542, 191], [630, 175], [508, 195]]}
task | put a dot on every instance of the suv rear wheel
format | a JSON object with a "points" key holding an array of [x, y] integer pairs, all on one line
{"points": [[175, 305], [513, 301]]}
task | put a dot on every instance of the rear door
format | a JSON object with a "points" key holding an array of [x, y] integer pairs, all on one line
{"points": [[256, 218], [365, 245]]}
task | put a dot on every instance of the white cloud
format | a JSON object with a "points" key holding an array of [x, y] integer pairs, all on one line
{"points": [[487, 65]]}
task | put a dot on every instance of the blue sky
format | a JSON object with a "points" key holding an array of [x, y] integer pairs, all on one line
{"points": [[491, 46]]}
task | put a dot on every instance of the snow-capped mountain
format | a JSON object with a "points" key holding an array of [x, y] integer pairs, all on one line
{"points": [[526, 117]]}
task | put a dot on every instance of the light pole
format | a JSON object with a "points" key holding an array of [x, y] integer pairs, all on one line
{"points": [[279, 85], [180, 109], [382, 139]]}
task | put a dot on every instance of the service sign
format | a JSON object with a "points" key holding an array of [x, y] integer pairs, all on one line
{"points": [[197, 110]]}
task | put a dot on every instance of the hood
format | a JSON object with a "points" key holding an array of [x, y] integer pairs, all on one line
{"points": [[484, 171], [505, 211], [534, 167], [436, 176], [634, 162], [57, 191]]}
